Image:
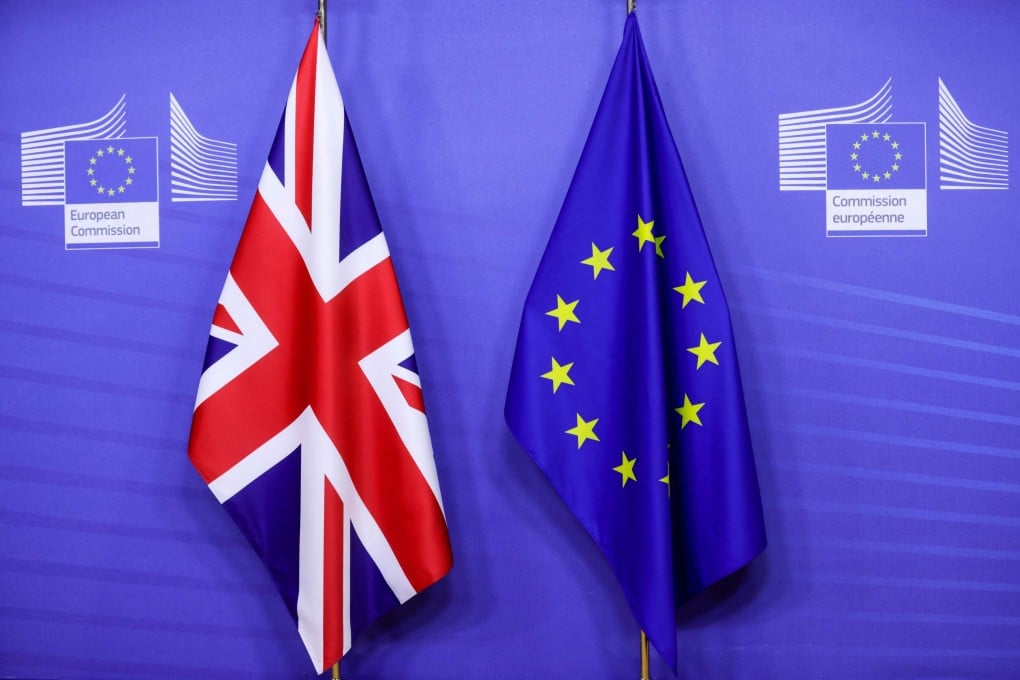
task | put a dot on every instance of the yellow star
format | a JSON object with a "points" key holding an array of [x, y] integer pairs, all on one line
{"points": [[874, 134], [705, 351], [864, 137], [128, 181], [92, 182], [120, 189], [599, 260], [626, 469], [131, 171], [895, 145], [898, 156], [886, 137], [665, 480], [92, 161], [895, 167], [91, 171], [689, 412], [559, 374], [128, 160], [120, 152], [102, 189], [564, 312], [857, 167], [888, 175], [109, 192], [658, 246], [865, 175], [876, 178], [584, 430], [857, 145], [100, 153], [644, 233], [691, 290], [109, 149], [853, 156]]}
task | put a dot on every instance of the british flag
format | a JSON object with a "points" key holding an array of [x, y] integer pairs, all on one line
{"points": [[309, 423]]}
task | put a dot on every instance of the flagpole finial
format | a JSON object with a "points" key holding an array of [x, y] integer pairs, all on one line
{"points": [[321, 14], [631, 6]]}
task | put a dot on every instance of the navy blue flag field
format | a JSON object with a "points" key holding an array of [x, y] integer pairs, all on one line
{"points": [[624, 387]]}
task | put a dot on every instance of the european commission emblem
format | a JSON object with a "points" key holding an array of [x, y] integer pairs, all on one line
{"points": [[108, 183], [111, 193], [875, 179]]}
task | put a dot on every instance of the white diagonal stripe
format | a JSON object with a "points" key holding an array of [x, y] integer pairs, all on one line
{"points": [[254, 342]]}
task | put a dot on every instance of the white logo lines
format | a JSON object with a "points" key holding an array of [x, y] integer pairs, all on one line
{"points": [[201, 169], [970, 156], [42, 154]]}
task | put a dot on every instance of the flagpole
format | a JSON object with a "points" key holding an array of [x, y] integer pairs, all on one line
{"points": [[644, 653], [631, 6], [321, 14]]}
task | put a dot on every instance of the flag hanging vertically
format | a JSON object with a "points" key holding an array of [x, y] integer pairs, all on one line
{"points": [[309, 424], [624, 387]]}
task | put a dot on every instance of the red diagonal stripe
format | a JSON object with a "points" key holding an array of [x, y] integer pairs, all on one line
{"points": [[222, 318], [412, 394]]}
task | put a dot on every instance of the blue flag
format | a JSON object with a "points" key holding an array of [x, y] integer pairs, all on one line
{"points": [[624, 387]]}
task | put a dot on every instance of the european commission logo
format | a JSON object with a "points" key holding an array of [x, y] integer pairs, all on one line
{"points": [[874, 170], [111, 193], [108, 183], [875, 179]]}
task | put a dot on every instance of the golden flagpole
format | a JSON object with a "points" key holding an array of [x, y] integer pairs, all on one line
{"points": [[644, 657], [631, 6], [321, 14], [322, 26]]}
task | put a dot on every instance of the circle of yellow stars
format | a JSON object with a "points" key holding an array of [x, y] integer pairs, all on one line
{"points": [[99, 157], [866, 174], [565, 312]]}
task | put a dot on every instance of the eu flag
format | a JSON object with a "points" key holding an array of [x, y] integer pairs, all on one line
{"points": [[624, 387]]}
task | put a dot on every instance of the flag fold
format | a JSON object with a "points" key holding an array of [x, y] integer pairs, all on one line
{"points": [[309, 424], [624, 387]]}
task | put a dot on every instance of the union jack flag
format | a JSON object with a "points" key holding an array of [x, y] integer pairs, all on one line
{"points": [[309, 423]]}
